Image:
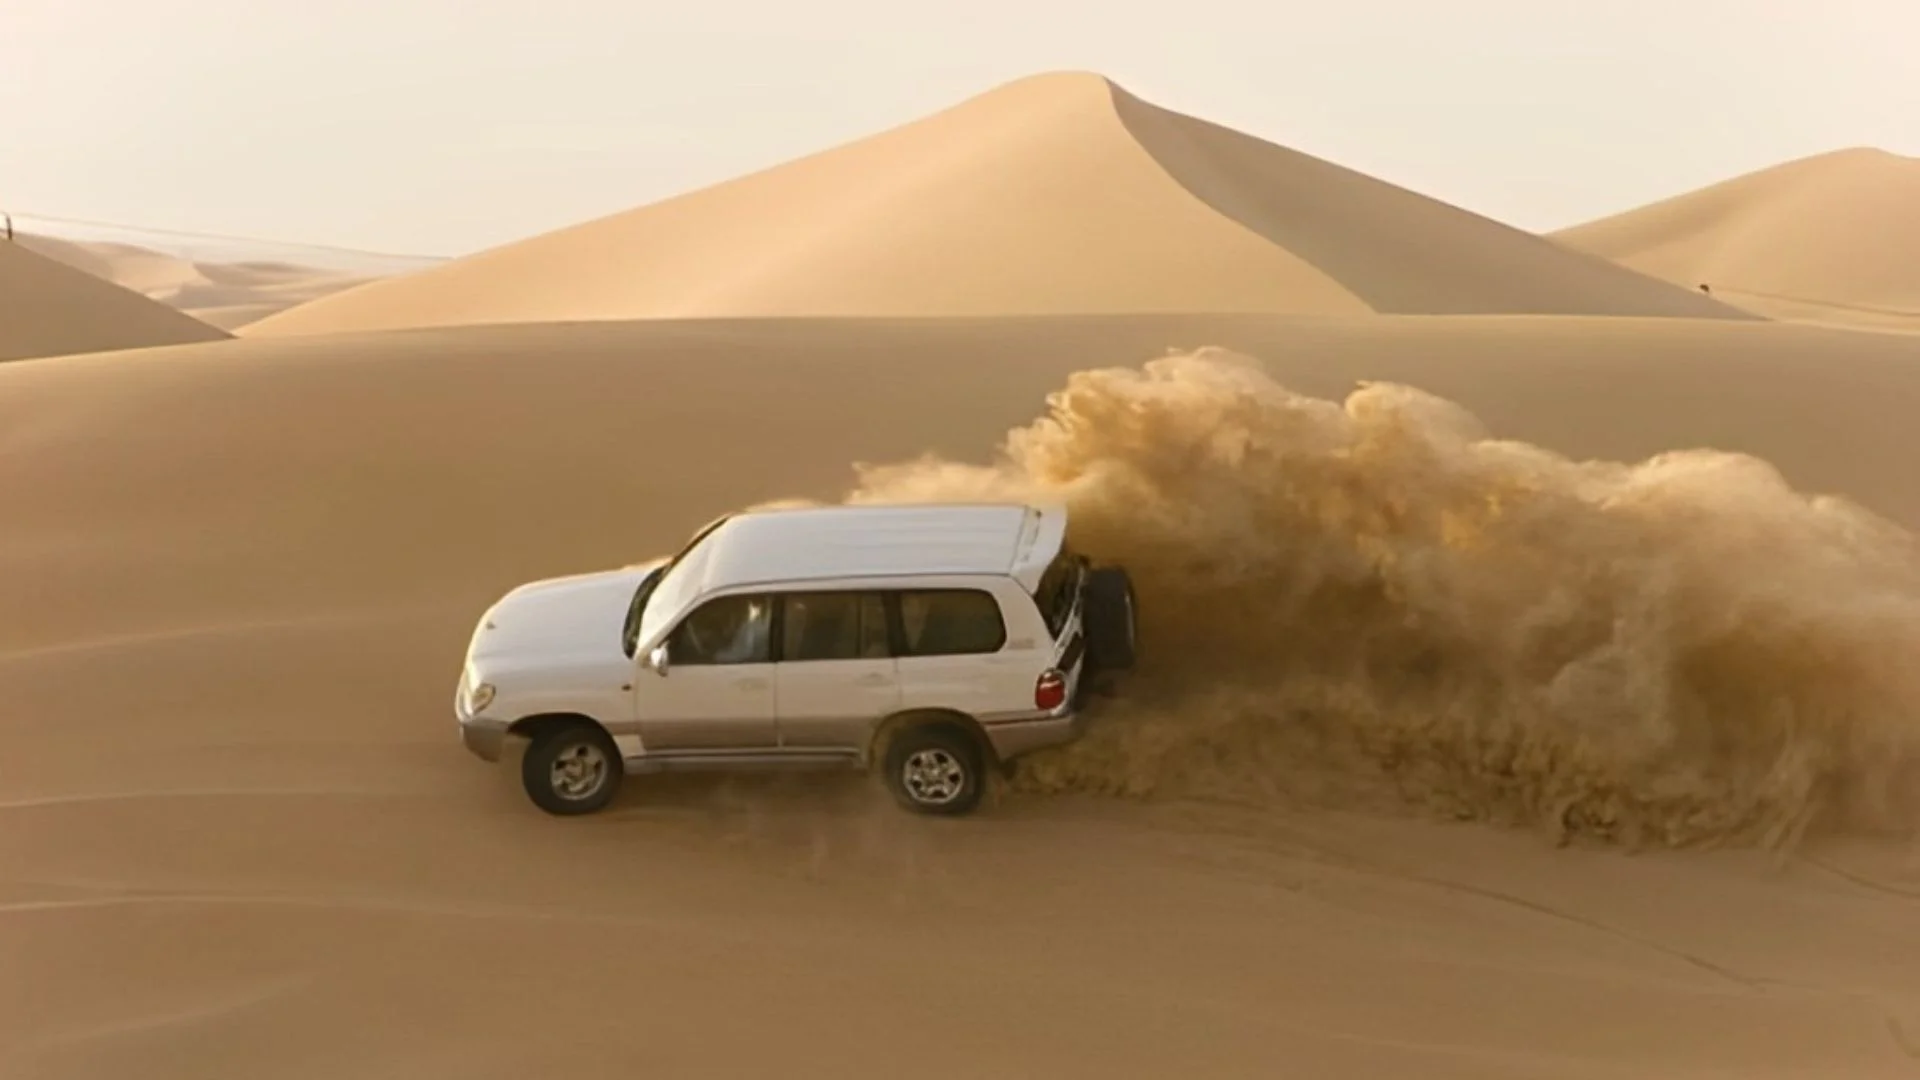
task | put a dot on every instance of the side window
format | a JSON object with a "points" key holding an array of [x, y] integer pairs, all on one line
{"points": [[1055, 596], [727, 630], [834, 626], [950, 622]]}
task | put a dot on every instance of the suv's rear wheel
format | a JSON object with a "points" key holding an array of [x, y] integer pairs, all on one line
{"points": [[572, 769], [1111, 622], [935, 770]]}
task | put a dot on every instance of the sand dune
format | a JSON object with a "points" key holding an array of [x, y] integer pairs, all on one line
{"points": [[1832, 238], [1056, 194], [49, 309], [223, 294], [240, 837]]}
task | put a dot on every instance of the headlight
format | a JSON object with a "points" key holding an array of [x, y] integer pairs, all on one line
{"points": [[480, 697]]}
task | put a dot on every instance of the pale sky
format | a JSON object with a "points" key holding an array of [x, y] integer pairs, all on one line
{"points": [[446, 126]]}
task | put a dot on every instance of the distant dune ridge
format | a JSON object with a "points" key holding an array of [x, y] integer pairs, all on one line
{"points": [[1056, 194], [1832, 237], [224, 294], [48, 308]]}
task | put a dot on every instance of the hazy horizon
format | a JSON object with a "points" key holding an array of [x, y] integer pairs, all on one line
{"points": [[441, 128]]}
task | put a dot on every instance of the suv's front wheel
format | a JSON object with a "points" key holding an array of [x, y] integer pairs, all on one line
{"points": [[572, 768], [935, 770]]}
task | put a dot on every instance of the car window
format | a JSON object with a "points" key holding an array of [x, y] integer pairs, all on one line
{"points": [[1058, 590], [834, 626], [950, 622], [724, 630]]}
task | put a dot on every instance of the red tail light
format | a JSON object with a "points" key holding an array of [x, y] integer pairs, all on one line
{"points": [[1049, 691]]}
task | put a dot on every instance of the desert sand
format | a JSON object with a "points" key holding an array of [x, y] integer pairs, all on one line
{"points": [[1523, 695], [48, 308], [1833, 238], [228, 295], [1057, 194]]}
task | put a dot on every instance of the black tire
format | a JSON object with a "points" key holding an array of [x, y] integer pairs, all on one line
{"points": [[542, 769], [1112, 625], [934, 769]]}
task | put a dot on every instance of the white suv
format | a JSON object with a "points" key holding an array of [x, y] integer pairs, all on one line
{"points": [[935, 641]]}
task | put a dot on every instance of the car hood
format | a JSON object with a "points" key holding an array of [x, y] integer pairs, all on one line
{"points": [[576, 617]]}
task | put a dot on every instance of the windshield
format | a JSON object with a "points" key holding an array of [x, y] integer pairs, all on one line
{"points": [[630, 633], [665, 591]]}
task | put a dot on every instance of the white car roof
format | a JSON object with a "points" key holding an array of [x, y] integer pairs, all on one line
{"points": [[821, 543]]}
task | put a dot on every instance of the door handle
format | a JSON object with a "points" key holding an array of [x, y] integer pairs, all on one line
{"points": [[872, 680], [751, 684]]}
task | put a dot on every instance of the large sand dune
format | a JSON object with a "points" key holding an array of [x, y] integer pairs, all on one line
{"points": [[1057, 194], [49, 309], [228, 295], [239, 836], [1830, 238]]}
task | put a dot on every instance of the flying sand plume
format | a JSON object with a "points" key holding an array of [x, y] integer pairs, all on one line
{"points": [[1375, 599]]}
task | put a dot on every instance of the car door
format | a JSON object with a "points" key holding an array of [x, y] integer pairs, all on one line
{"points": [[717, 691], [954, 654], [836, 677]]}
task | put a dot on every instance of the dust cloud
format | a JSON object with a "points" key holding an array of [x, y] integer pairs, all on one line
{"points": [[1374, 601]]}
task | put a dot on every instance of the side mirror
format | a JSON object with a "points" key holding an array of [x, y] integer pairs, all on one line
{"points": [[657, 659]]}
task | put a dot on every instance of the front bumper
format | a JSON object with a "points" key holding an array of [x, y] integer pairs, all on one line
{"points": [[484, 736]]}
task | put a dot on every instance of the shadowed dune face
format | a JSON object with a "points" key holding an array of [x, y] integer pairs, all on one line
{"points": [[50, 309], [1399, 252], [1057, 194], [1830, 238]]}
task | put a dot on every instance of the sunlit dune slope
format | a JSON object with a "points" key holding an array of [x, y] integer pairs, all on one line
{"points": [[239, 837]]}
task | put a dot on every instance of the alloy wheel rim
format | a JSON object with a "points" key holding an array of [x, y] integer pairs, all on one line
{"points": [[933, 777], [578, 772]]}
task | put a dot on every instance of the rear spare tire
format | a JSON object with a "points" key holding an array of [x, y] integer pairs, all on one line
{"points": [[1111, 622]]}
